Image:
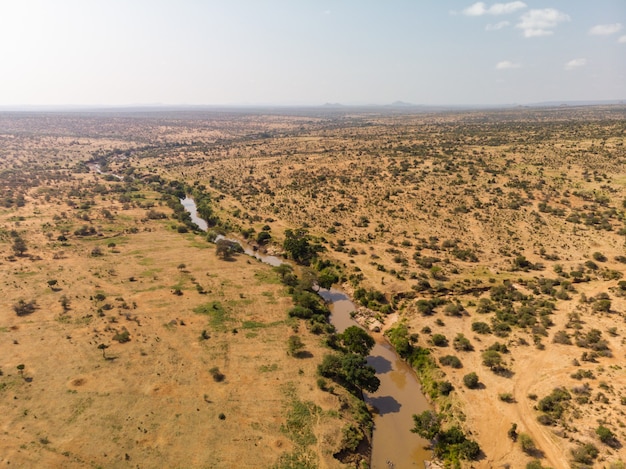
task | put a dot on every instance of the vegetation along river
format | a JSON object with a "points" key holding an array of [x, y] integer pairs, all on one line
{"points": [[399, 395]]}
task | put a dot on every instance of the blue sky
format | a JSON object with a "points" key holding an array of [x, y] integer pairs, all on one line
{"points": [[294, 52]]}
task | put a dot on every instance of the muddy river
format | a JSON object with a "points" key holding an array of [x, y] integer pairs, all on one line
{"points": [[399, 395]]}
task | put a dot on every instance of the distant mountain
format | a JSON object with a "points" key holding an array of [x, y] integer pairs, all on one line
{"points": [[401, 104], [577, 103]]}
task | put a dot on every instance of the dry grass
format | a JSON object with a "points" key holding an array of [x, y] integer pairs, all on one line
{"points": [[474, 192], [152, 401]]}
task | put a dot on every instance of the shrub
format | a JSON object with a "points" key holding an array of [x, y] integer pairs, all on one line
{"points": [[462, 343], [471, 380], [585, 454], [527, 444], [451, 360], [481, 327], [606, 436], [122, 337], [24, 308], [439, 340], [598, 256], [562, 337], [445, 387], [217, 374]]}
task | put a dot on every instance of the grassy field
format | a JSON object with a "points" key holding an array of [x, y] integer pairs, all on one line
{"points": [[125, 343]]}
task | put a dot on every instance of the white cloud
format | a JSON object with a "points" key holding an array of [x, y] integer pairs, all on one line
{"points": [[605, 29], [622, 39], [507, 64], [576, 63], [497, 26], [538, 23], [506, 8], [480, 8]]}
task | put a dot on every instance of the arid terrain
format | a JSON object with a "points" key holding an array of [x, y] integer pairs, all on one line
{"points": [[482, 242]]}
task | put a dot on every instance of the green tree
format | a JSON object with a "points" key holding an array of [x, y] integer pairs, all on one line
{"points": [[263, 237], [471, 380], [297, 245], [358, 374], [427, 424], [462, 343], [225, 248], [606, 435], [527, 444], [294, 345], [326, 278], [357, 340], [492, 359]]}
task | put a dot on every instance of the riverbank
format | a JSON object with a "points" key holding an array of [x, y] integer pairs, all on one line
{"points": [[399, 396]]}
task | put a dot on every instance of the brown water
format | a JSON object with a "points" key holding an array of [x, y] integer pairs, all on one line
{"points": [[397, 399]]}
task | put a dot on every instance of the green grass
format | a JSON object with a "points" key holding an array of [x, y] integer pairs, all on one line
{"points": [[299, 424], [267, 368], [218, 315], [260, 325], [265, 276]]}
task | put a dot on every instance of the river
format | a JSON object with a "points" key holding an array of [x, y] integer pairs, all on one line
{"points": [[399, 395]]}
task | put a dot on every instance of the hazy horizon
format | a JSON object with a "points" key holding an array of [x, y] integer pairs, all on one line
{"points": [[248, 53]]}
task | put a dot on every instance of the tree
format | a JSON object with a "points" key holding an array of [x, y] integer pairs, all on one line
{"points": [[427, 424], [471, 380], [326, 278], [19, 246], [492, 359], [462, 343], [263, 237], [357, 340], [294, 345], [358, 374], [527, 444], [24, 308], [439, 340], [103, 347], [297, 245], [606, 435], [225, 248]]}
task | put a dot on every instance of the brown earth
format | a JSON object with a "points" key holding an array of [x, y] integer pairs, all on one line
{"points": [[528, 199]]}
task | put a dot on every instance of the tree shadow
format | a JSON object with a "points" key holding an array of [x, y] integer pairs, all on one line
{"points": [[504, 372], [380, 364], [303, 354], [535, 453], [384, 404], [331, 296], [614, 443]]}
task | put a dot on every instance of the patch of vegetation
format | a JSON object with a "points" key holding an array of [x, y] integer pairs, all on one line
{"points": [[219, 317]]}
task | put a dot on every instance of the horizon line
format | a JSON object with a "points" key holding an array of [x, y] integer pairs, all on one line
{"points": [[328, 105]]}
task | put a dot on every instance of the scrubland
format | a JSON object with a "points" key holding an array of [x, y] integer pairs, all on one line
{"points": [[489, 245]]}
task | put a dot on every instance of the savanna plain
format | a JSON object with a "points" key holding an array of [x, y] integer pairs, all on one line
{"points": [[487, 247]]}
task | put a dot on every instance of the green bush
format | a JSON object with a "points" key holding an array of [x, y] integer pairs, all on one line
{"points": [[451, 360], [471, 380], [439, 340]]}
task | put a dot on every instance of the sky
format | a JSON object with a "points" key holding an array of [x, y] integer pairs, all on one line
{"points": [[310, 52]]}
